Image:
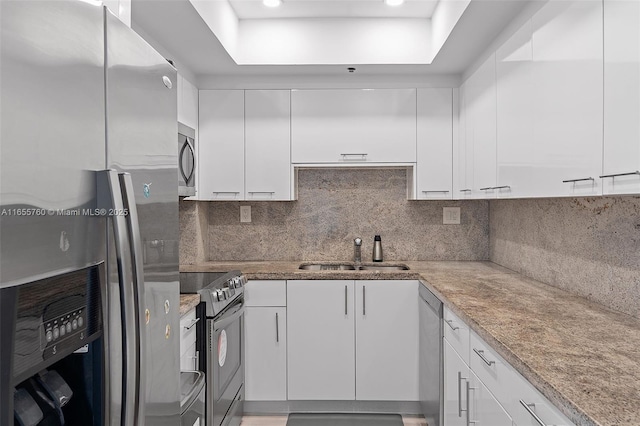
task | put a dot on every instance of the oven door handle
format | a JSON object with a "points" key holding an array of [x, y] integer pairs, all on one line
{"points": [[228, 317]]}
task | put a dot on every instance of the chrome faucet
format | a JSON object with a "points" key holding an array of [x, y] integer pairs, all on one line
{"points": [[357, 253]]}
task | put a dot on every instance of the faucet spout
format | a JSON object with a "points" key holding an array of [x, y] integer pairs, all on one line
{"points": [[357, 252]]}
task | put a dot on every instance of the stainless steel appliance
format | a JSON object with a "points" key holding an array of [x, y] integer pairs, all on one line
{"points": [[87, 186], [186, 161], [222, 295], [431, 367], [192, 402]]}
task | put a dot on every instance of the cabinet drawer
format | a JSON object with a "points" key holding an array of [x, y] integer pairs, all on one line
{"points": [[187, 330], [265, 293], [457, 334], [497, 375], [511, 389]]}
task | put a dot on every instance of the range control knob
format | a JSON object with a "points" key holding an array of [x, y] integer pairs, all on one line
{"points": [[220, 295], [227, 292]]}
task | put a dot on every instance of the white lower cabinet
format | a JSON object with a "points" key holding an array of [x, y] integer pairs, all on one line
{"points": [[265, 353], [352, 340], [386, 340], [484, 409], [321, 332], [466, 399], [188, 353], [265, 323], [456, 375], [492, 391]]}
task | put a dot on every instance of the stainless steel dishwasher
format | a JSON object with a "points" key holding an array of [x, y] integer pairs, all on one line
{"points": [[431, 367]]}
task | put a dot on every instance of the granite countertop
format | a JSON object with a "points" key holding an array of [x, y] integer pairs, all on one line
{"points": [[582, 356], [188, 302]]}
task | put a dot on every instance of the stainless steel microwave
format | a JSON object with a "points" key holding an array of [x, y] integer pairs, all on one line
{"points": [[186, 161]]}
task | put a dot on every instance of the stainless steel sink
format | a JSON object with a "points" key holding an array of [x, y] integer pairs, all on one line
{"points": [[383, 268], [327, 267], [351, 267]]}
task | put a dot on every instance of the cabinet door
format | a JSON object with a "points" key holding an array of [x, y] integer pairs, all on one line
{"points": [[621, 97], [484, 410], [265, 353], [353, 126], [268, 144], [386, 330], [516, 150], [321, 350], [221, 145], [480, 98], [463, 149], [456, 376], [435, 144], [568, 98], [187, 103]]}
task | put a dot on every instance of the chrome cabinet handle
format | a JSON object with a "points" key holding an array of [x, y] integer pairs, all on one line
{"points": [[426, 192], [495, 187], [480, 353], [533, 414], [363, 156], [469, 389], [345, 300], [449, 323], [637, 172], [460, 409], [196, 359], [193, 322], [465, 190], [261, 192], [277, 329], [364, 301], [578, 180]]}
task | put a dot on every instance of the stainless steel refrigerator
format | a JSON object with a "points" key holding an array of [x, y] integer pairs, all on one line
{"points": [[88, 172]]}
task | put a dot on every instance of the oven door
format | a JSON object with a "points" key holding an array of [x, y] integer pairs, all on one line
{"points": [[225, 372]]}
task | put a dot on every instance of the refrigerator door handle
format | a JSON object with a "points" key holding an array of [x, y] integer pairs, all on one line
{"points": [[135, 244], [111, 203]]}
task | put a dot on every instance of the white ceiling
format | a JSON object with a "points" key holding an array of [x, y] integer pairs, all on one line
{"points": [[177, 30], [254, 9]]}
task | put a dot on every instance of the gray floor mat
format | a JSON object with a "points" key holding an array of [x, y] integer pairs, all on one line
{"points": [[348, 419]]}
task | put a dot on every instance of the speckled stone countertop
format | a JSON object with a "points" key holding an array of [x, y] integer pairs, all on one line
{"points": [[583, 357], [188, 302]]}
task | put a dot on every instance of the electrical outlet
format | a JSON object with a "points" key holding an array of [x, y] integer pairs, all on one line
{"points": [[451, 215], [245, 214]]}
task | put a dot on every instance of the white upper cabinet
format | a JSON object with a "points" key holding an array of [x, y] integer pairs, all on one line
{"points": [[353, 126], [567, 99], [480, 128], [435, 144], [516, 151], [621, 97], [463, 151], [268, 145], [187, 103], [221, 145]]}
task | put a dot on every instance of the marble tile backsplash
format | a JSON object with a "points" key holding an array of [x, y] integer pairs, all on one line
{"points": [[335, 206], [587, 246]]}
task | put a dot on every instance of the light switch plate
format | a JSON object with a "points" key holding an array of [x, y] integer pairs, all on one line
{"points": [[245, 214], [451, 215]]}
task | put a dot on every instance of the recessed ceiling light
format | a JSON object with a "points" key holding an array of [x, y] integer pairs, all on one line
{"points": [[272, 3], [393, 2]]}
